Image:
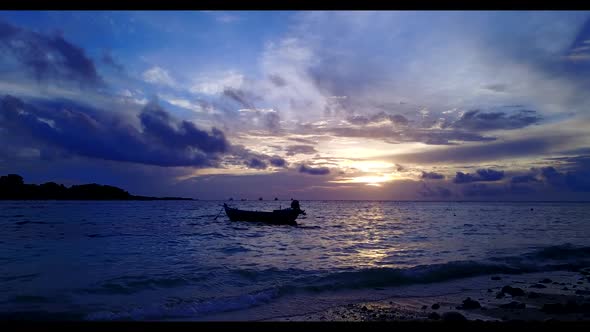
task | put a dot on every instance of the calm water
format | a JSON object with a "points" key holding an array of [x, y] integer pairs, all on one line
{"points": [[171, 259]]}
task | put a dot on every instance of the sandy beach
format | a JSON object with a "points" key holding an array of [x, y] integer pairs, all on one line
{"points": [[561, 296]]}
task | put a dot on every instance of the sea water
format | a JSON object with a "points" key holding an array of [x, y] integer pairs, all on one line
{"points": [[160, 260]]}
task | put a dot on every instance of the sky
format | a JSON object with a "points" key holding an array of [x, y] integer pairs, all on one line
{"points": [[387, 105]]}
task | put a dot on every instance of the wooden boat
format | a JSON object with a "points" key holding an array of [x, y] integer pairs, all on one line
{"points": [[277, 217]]}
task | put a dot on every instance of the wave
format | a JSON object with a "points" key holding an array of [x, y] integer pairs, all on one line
{"points": [[564, 257]]}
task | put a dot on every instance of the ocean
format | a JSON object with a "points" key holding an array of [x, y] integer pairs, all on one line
{"points": [[172, 260]]}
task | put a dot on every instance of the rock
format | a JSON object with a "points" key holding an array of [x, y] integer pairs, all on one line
{"points": [[490, 291], [582, 292], [364, 308], [453, 316], [500, 295], [435, 306], [496, 278], [565, 288], [555, 283], [424, 307], [513, 305], [546, 281], [579, 282], [537, 286], [434, 316], [468, 304], [513, 291]]}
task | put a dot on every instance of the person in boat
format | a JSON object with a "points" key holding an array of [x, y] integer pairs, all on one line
{"points": [[295, 206]]}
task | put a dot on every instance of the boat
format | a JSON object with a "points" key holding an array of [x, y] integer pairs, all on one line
{"points": [[277, 217]]}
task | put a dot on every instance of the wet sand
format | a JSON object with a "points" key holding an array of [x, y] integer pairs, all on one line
{"points": [[561, 296]]}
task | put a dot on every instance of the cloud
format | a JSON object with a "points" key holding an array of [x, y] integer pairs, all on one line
{"points": [[108, 60], [278, 161], [158, 75], [82, 131], [378, 117], [277, 80], [158, 124], [519, 148], [432, 176], [47, 58], [477, 120], [255, 163], [528, 178], [497, 87], [480, 189], [439, 192], [408, 135], [242, 97], [300, 149], [481, 176], [314, 171], [216, 84]]}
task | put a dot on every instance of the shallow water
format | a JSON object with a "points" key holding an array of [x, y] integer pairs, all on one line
{"points": [[172, 259]]}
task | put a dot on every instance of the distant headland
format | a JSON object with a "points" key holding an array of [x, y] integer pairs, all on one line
{"points": [[12, 187]]}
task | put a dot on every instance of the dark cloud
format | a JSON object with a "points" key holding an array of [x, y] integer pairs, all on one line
{"points": [[277, 80], [477, 120], [277, 161], [300, 149], [432, 176], [426, 136], [482, 175], [314, 171], [255, 163], [47, 57], [272, 121], [378, 117], [497, 87], [480, 189], [163, 141], [244, 98], [529, 178], [491, 151], [108, 60], [577, 179], [438, 192], [158, 124]]}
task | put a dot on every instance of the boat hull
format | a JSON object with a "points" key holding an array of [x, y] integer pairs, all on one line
{"points": [[277, 217]]}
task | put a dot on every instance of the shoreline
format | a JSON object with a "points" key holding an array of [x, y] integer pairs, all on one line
{"points": [[536, 297]]}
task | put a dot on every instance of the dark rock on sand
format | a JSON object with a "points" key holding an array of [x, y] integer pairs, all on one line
{"points": [[512, 291], [453, 316], [435, 306], [537, 286], [496, 278], [434, 315], [546, 281], [490, 291], [565, 288], [468, 304], [500, 295], [513, 305], [424, 307], [582, 292]]}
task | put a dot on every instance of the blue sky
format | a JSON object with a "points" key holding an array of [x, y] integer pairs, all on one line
{"points": [[315, 105]]}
